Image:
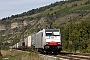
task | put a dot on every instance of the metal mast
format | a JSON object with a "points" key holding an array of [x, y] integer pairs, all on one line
{"points": [[70, 34], [23, 43]]}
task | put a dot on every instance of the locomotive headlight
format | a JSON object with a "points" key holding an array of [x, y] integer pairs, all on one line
{"points": [[47, 43], [58, 43]]}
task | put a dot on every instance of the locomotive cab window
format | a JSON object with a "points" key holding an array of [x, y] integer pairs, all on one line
{"points": [[48, 32], [52, 33], [56, 33]]}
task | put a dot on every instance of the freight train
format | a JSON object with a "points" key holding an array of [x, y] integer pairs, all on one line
{"points": [[44, 41]]}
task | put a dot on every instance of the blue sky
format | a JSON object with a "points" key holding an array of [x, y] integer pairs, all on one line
{"points": [[12, 7]]}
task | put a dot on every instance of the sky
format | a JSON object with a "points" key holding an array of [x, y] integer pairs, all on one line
{"points": [[13, 7]]}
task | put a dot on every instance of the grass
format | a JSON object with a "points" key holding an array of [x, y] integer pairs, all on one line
{"points": [[81, 7], [20, 55]]}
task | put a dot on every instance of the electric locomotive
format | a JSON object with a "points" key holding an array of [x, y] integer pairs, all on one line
{"points": [[48, 41]]}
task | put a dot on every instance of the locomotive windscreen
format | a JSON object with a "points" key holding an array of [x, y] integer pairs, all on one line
{"points": [[56, 33], [49, 33], [52, 33]]}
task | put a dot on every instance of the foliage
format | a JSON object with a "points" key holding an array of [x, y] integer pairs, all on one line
{"points": [[0, 53], [80, 35], [82, 7]]}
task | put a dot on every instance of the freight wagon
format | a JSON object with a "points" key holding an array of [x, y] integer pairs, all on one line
{"points": [[27, 41]]}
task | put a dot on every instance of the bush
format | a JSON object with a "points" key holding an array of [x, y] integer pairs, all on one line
{"points": [[0, 53], [0, 56]]}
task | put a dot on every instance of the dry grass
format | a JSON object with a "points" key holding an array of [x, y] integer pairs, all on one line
{"points": [[20, 55]]}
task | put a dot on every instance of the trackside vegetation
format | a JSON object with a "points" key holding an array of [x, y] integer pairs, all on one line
{"points": [[20, 55], [80, 37]]}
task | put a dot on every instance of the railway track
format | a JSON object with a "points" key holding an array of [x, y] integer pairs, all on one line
{"points": [[66, 56]]}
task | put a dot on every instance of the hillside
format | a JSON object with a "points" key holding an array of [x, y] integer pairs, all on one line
{"points": [[55, 15]]}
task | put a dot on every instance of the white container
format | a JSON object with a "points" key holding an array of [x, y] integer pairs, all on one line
{"points": [[28, 41]]}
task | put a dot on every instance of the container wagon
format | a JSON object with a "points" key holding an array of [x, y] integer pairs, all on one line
{"points": [[27, 41]]}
